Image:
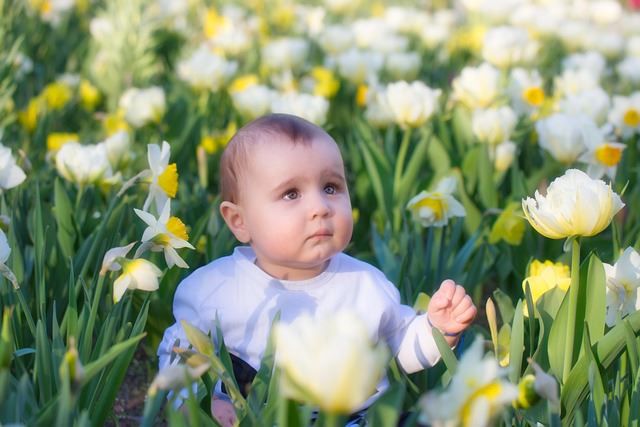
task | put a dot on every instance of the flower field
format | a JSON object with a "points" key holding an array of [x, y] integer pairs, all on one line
{"points": [[495, 143]]}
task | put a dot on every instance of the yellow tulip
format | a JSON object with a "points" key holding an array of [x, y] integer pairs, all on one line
{"points": [[543, 277]]}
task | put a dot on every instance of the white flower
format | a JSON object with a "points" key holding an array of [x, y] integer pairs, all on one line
{"points": [[329, 361], [602, 156], [335, 39], [508, 46], [205, 69], [176, 377], [118, 149], [254, 101], [435, 208], [310, 107], [564, 136], [476, 394], [5, 250], [412, 104], [164, 234], [493, 125], [625, 114], [605, 12], [402, 65], [594, 103], [571, 82], [164, 176], [110, 259], [633, 46], [623, 280], [590, 61], [286, 53], [11, 175], [477, 87], [83, 164], [143, 106], [234, 40], [629, 69], [525, 89], [136, 274], [607, 41], [504, 155], [575, 205], [437, 29], [378, 112], [359, 66], [340, 7]]}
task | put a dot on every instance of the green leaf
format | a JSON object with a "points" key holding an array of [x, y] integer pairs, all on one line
{"points": [[632, 348], [63, 213], [448, 357], [505, 306], [595, 304], [388, 407], [557, 338], [473, 217], [486, 186], [438, 157], [596, 385], [516, 348]]}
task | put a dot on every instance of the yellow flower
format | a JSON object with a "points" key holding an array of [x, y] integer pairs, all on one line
{"points": [[214, 23], [467, 38], [89, 95], [543, 277], [55, 140], [509, 226], [243, 82], [326, 84], [361, 95], [115, 122], [217, 141], [28, 117], [575, 205], [631, 117], [56, 95], [533, 95]]}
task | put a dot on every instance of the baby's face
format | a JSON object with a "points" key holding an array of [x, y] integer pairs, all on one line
{"points": [[295, 204]]}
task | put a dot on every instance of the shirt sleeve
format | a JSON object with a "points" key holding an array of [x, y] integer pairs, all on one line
{"points": [[418, 349]]}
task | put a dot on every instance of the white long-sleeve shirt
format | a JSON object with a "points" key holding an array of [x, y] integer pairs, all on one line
{"points": [[245, 299]]}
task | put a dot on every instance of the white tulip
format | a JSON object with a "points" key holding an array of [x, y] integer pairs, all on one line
{"points": [[329, 362], [205, 69], [412, 104], [504, 155], [336, 39], [359, 66], [11, 175], [83, 164], [143, 106], [575, 205], [118, 149], [593, 103], [477, 87], [254, 101], [310, 107], [493, 125], [590, 61], [623, 280], [629, 69], [378, 112], [571, 82], [287, 53], [564, 136], [508, 46]]}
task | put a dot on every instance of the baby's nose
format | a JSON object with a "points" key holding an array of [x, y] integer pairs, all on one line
{"points": [[319, 205]]}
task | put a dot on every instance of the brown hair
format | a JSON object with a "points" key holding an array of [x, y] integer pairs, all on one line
{"points": [[234, 158]]}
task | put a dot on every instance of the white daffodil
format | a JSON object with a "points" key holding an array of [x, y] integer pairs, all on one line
{"points": [[110, 259], [623, 280], [176, 377], [205, 70], [602, 156], [493, 125], [477, 87], [164, 176], [11, 174], [625, 114], [435, 208], [136, 274], [329, 362], [83, 164], [412, 104], [525, 89], [575, 205], [564, 136], [476, 394], [310, 107], [143, 106], [166, 234], [505, 47]]}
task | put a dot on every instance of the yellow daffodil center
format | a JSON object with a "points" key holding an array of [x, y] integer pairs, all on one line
{"points": [[534, 95], [243, 82], [631, 117], [168, 180], [176, 227], [56, 140], [527, 395], [608, 155], [115, 122], [489, 392], [361, 95], [437, 205], [130, 266]]}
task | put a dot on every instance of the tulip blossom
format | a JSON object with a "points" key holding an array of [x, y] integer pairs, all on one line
{"points": [[575, 205], [164, 234], [543, 277], [11, 174], [83, 164], [493, 126], [434, 209], [476, 394], [565, 136], [329, 362], [477, 87], [143, 106], [412, 104], [623, 280]]}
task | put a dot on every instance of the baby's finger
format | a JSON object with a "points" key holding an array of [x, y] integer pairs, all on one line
{"points": [[468, 315], [447, 289], [458, 295], [464, 304]]}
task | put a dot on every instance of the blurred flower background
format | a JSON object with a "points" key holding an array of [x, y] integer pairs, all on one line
{"points": [[467, 128]]}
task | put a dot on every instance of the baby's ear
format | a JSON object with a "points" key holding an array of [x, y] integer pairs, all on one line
{"points": [[234, 218]]}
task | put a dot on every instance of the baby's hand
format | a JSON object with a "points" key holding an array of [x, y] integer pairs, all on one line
{"points": [[223, 412], [451, 309]]}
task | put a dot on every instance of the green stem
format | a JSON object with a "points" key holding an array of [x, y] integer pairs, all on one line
{"points": [[402, 155], [27, 312], [88, 331], [574, 291], [332, 420]]}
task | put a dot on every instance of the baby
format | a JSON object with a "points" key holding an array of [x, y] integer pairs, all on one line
{"points": [[285, 196]]}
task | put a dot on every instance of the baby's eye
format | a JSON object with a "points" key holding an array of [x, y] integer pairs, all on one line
{"points": [[331, 189], [290, 194]]}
